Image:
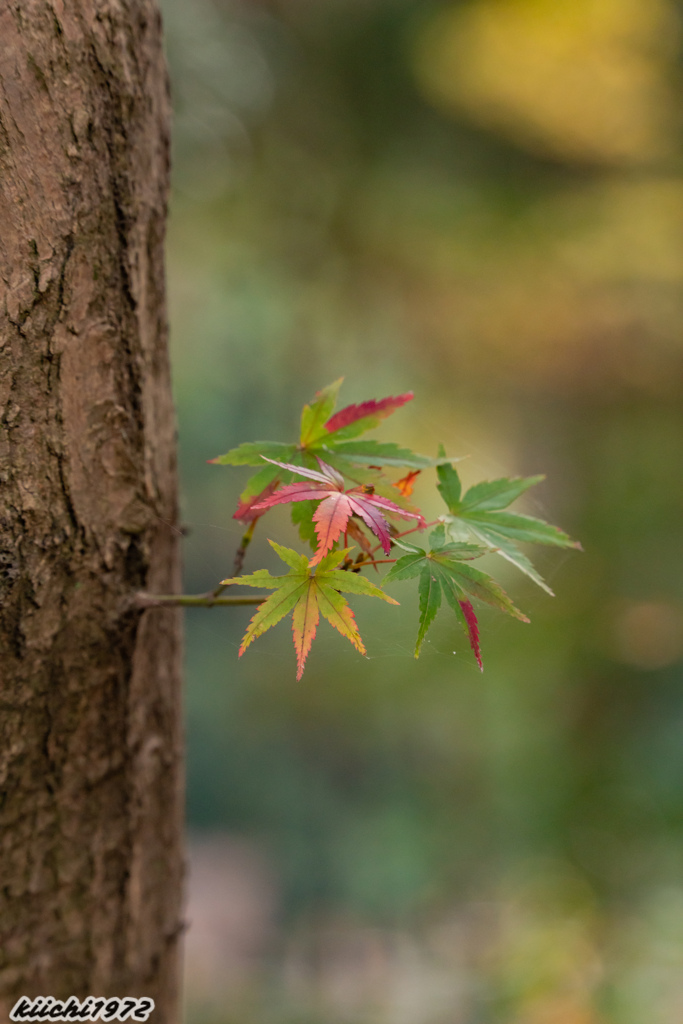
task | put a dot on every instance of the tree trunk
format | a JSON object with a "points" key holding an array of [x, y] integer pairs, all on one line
{"points": [[90, 794]]}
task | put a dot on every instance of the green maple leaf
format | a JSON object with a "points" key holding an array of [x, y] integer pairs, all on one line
{"points": [[302, 518], [442, 571], [480, 515], [307, 594], [331, 437]]}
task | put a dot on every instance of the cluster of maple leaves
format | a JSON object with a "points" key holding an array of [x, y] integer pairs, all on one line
{"points": [[347, 502]]}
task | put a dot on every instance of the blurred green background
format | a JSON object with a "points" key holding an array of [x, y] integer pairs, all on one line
{"points": [[481, 201]]}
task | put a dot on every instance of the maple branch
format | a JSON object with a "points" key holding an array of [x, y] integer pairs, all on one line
{"points": [[193, 600], [343, 513], [374, 561]]}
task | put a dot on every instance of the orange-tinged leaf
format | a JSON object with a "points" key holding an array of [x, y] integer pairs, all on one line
{"points": [[330, 518], [273, 609], [338, 614], [306, 593], [405, 485], [305, 623]]}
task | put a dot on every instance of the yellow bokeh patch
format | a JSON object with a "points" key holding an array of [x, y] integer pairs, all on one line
{"points": [[582, 80]]}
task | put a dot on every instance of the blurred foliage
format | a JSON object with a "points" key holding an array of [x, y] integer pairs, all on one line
{"points": [[482, 201], [584, 81]]}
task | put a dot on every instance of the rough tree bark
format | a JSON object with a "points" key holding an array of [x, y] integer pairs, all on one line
{"points": [[90, 802]]}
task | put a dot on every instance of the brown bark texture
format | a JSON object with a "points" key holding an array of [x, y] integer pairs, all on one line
{"points": [[90, 795]]}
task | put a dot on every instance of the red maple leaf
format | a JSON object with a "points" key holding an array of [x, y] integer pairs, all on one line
{"points": [[373, 409], [472, 629], [336, 505]]}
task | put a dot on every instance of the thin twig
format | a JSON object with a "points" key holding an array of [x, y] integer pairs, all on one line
{"points": [[193, 600], [374, 561], [242, 549]]}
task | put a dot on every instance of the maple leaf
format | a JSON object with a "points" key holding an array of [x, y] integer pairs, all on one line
{"points": [[405, 485], [442, 571], [336, 505], [480, 514], [315, 415], [332, 437], [307, 594], [246, 508], [354, 531], [472, 630], [356, 419]]}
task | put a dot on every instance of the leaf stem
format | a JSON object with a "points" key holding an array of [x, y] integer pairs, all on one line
{"points": [[404, 533]]}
